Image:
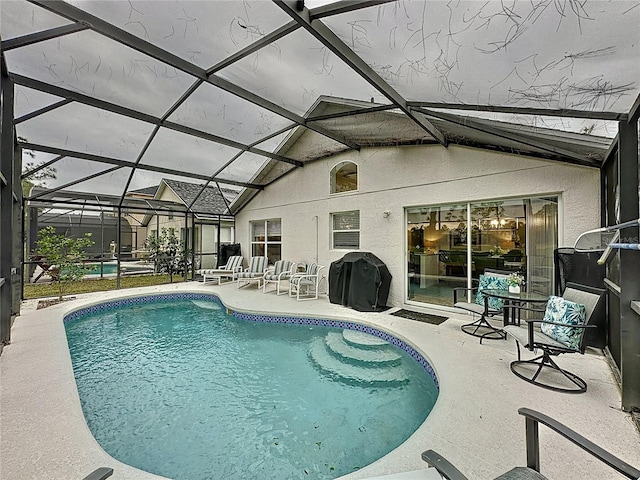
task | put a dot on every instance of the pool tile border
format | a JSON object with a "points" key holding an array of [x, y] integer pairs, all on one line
{"points": [[254, 317]]}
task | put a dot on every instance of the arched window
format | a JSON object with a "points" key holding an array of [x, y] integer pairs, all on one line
{"points": [[344, 177]]}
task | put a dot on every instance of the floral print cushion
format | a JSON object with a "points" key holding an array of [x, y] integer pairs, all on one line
{"points": [[560, 310], [491, 282]]}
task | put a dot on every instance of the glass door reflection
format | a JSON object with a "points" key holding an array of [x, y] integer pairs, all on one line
{"points": [[512, 235]]}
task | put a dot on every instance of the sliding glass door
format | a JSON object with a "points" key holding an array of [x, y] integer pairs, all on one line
{"points": [[449, 246]]}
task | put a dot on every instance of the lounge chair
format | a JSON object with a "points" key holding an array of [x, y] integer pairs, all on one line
{"points": [[280, 272], [306, 284], [234, 265], [532, 470], [562, 330], [254, 273], [483, 306]]}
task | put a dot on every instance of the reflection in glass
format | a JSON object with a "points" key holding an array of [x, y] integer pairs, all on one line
{"points": [[446, 251], [344, 177]]}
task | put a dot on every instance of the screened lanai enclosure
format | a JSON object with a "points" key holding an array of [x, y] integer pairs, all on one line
{"points": [[121, 96]]}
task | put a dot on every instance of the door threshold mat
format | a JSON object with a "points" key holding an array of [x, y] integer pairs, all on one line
{"points": [[420, 317]]}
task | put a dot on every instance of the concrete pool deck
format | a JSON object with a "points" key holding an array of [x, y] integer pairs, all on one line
{"points": [[474, 423]]}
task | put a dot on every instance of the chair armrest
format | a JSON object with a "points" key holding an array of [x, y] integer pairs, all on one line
{"points": [[572, 325], [532, 321], [533, 418], [532, 309], [99, 474], [442, 465], [456, 290], [286, 273]]}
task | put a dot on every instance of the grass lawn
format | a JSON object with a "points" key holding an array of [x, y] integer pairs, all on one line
{"points": [[98, 285]]}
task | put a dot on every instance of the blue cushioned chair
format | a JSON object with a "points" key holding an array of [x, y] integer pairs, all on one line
{"points": [[562, 331], [489, 308]]}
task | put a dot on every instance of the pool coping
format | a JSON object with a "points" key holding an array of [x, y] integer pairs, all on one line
{"points": [[44, 432]]}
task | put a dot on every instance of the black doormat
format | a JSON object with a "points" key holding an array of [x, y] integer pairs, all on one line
{"points": [[421, 317]]}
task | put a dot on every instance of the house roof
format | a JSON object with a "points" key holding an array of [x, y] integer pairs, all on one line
{"points": [[212, 200], [146, 191]]}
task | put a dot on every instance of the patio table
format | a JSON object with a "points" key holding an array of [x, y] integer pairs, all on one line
{"points": [[513, 302]]}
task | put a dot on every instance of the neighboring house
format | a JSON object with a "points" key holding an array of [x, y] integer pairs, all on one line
{"points": [[436, 216], [212, 222]]}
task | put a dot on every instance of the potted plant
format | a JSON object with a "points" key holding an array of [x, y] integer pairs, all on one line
{"points": [[515, 281]]}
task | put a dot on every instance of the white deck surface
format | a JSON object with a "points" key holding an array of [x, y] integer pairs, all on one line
{"points": [[474, 424]]}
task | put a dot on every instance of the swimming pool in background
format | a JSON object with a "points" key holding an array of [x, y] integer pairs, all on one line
{"points": [[175, 386], [93, 269]]}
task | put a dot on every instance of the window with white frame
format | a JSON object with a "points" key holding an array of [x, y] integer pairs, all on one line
{"points": [[345, 230], [344, 177], [266, 239]]}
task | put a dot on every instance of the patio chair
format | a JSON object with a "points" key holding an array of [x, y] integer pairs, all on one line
{"points": [[306, 284], [47, 269], [234, 264], [532, 470], [254, 273], [101, 473], [280, 272], [562, 330], [485, 307]]}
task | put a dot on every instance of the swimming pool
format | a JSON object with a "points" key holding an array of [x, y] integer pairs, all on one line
{"points": [[93, 269], [174, 385]]}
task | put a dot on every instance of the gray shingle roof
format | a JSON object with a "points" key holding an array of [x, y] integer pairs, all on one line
{"points": [[209, 202], [146, 190]]}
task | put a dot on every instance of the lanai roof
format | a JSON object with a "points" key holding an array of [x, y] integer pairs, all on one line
{"points": [[119, 94]]}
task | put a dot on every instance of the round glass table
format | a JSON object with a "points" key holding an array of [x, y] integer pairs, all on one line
{"points": [[513, 302]]}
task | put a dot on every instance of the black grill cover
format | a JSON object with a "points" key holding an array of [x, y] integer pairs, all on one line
{"points": [[360, 280], [226, 251]]}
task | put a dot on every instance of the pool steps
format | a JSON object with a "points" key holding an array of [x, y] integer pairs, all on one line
{"points": [[375, 363], [362, 340], [342, 348]]}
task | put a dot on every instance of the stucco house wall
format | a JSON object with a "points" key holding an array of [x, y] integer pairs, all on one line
{"points": [[392, 178]]}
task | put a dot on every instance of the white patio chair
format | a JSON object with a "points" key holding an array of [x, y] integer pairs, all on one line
{"points": [[306, 284], [280, 272], [255, 272], [234, 265]]}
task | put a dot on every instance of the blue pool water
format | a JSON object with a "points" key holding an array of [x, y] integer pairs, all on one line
{"points": [[94, 268], [183, 390]]}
